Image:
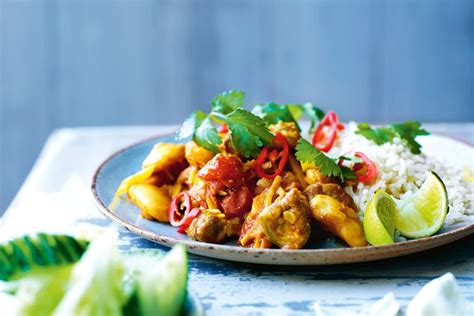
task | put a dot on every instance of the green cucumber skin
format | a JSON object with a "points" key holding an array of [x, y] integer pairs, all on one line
{"points": [[41, 250], [28, 253], [171, 273]]}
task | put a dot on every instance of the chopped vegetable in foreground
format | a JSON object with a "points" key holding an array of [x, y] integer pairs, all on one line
{"points": [[252, 177], [60, 275]]}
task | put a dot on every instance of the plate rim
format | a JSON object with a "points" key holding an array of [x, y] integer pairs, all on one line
{"points": [[203, 247]]}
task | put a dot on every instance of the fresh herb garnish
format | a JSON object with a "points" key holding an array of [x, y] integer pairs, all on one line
{"points": [[379, 135], [352, 159], [305, 152], [228, 101], [248, 132], [199, 126], [271, 113], [314, 113], [406, 131], [206, 134]]}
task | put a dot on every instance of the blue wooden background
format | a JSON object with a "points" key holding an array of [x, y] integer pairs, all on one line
{"points": [[75, 63]]}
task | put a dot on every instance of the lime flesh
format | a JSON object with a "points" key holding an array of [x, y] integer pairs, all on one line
{"points": [[423, 214], [378, 219]]}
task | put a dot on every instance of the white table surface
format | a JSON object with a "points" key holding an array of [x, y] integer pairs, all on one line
{"points": [[56, 196]]}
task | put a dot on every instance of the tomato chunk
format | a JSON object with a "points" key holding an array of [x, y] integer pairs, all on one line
{"points": [[237, 202], [225, 169]]}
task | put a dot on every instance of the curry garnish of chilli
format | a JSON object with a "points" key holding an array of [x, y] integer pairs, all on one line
{"points": [[253, 177]]}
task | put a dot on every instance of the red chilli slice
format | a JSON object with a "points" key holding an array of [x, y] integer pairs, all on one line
{"points": [[273, 156], [188, 219], [322, 139], [366, 170], [175, 213]]}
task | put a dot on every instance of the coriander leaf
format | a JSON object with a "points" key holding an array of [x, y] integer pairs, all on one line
{"points": [[272, 113], [408, 131], [313, 112], [248, 132], [380, 135], [305, 152], [200, 126], [348, 173], [353, 159], [228, 101], [206, 134], [190, 125]]}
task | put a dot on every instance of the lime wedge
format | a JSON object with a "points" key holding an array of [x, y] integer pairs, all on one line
{"points": [[378, 219], [423, 213]]}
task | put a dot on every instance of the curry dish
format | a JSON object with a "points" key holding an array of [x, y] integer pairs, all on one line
{"points": [[252, 177], [212, 197]]}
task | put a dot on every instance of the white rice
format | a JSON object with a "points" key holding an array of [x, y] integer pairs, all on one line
{"points": [[401, 173]]}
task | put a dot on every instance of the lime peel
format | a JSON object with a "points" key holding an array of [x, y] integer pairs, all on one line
{"points": [[378, 219], [417, 216], [423, 213]]}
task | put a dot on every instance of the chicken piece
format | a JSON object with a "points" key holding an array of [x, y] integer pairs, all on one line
{"points": [[252, 234], [151, 200], [211, 226], [286, 221], [333, 190], [288, 129], [208, 227], [339, 219], [288, 182], [196, 155]]}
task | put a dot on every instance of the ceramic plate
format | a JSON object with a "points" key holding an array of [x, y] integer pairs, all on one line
{"points": [[319, 250]]}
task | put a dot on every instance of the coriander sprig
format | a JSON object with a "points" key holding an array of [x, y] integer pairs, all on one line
{"points": [[314, 113], [247, 131], [305, 152], [406, 131], [271, 113]]}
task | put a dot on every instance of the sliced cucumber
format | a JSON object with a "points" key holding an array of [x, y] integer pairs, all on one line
{"points": [[161, 286], [58, 274], [29, 252]]}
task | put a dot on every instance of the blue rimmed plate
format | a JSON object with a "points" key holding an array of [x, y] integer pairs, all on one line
{"points": [[319, 250]]}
